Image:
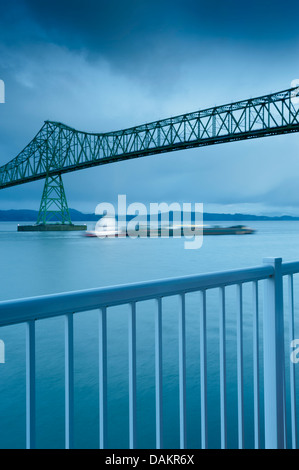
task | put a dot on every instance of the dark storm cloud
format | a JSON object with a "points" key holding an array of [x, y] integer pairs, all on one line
{"points": [[101, 22], [115, 29], [151, 40], [125, 29]]}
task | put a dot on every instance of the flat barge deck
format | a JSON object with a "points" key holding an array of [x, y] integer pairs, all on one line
{"points": [[51, 228]]}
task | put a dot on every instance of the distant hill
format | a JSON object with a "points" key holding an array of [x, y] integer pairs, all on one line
{"points": [[245, 217], [26, 215]]}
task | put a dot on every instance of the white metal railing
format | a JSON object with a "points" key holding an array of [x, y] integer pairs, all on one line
{"points": [[271, 272]]}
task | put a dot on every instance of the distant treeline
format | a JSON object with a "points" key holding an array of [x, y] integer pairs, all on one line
{"points": [[26, 215]]}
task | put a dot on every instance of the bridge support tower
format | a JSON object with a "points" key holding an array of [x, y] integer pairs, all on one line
{"points": [[53, 213], [53, 206]]}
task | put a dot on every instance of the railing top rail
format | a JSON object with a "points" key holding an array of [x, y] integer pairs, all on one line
{"points": [[47, 306], [290, 268]]}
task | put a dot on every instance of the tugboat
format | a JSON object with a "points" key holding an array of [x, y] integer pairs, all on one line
{"points": [[106, 227]]}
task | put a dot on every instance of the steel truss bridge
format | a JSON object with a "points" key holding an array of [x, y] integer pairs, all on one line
{"points": [[58, 148]]}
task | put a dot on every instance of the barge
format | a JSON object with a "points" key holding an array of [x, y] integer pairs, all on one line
{"points": [[145, 231]]}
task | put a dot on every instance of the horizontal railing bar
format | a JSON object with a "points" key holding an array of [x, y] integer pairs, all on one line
{"points": [[47, 306], [290, 268]]}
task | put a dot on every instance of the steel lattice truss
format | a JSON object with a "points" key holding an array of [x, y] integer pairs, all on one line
{"points": [[53, 207], [58, 149]]}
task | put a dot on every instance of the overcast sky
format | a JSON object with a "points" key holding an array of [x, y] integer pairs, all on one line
{"points": [[101, 65]]}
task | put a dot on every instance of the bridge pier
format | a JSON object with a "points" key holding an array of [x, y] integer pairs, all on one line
{"points": [[53, 213], [53, 206]]}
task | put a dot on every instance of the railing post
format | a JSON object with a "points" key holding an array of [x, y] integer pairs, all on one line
{"points": [[159, 374], [69, 380], [103, 377], [30, 384], [182, 370], [273, 330], [132, 376]]}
